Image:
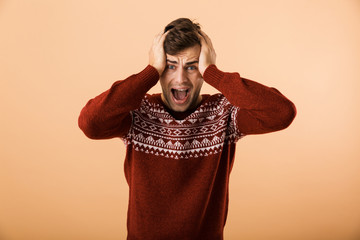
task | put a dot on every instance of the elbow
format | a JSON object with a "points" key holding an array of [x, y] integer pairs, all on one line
{"points": [[87, 127], [287, 115]]}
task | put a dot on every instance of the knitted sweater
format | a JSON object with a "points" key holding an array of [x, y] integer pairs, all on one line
{"points": [[177, 165]]}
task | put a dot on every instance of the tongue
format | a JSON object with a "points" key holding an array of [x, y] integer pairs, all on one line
{"points": [[179, 95]]}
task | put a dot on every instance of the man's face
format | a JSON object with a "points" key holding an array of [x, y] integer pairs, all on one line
{"points": [[181, 81]]}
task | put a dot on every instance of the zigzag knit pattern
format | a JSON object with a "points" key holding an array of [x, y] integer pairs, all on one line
{"points": [[202, 133]]}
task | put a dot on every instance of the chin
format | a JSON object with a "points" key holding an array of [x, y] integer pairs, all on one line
{"points": [[189, 104], [180, 109]]}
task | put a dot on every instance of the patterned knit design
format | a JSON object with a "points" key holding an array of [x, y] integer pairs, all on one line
{"points": [[202, 133]]}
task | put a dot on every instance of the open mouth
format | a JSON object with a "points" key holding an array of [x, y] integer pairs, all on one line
{"points": [[180, 95]]}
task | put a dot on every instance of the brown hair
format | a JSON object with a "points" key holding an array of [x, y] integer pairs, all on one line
{"points": [[183, 33]]}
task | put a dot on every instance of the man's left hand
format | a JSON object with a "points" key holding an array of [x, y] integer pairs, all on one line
{"points": [[207, 54]]}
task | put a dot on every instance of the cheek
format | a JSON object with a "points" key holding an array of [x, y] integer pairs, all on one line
{"points": [[197, 81], [164, 80], [199, 85]]}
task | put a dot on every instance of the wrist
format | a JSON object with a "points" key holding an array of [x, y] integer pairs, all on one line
{"points": [[213, 74], [158, 69], [203, 69]]}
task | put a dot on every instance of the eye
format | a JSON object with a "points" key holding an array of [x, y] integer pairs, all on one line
{"points": [[191, 68], [172, 67]]}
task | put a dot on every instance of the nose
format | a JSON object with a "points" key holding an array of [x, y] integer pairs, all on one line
{"points": [[180, 76]]}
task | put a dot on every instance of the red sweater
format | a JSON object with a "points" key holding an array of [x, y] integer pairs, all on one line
{"points": [[177, 165]]}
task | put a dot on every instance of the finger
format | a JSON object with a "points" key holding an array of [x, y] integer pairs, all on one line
{"points": [[206, 39], [163, 36], [201, 37], [158, 35], [156, 38], [204, 44]]}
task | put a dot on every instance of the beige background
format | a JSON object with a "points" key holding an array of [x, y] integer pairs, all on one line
{"points": [[296, 184]]}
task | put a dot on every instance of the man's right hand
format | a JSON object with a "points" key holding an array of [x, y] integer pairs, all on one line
{"points": [[157, 56]]}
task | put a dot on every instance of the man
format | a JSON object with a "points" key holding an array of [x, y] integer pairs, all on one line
{"points": [[180, 144]]}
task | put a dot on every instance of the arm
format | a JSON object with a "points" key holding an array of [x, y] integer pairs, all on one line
{"points": [[108, 115], [261, 109]]}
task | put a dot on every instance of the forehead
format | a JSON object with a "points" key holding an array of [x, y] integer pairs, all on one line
{"points": [[191, 53]]}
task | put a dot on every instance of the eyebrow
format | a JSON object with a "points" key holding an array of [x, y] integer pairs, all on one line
{"points": [[188, 63]]}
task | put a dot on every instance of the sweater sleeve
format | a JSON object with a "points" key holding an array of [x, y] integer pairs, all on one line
{"points": [[108, 115], [260, 109]]}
